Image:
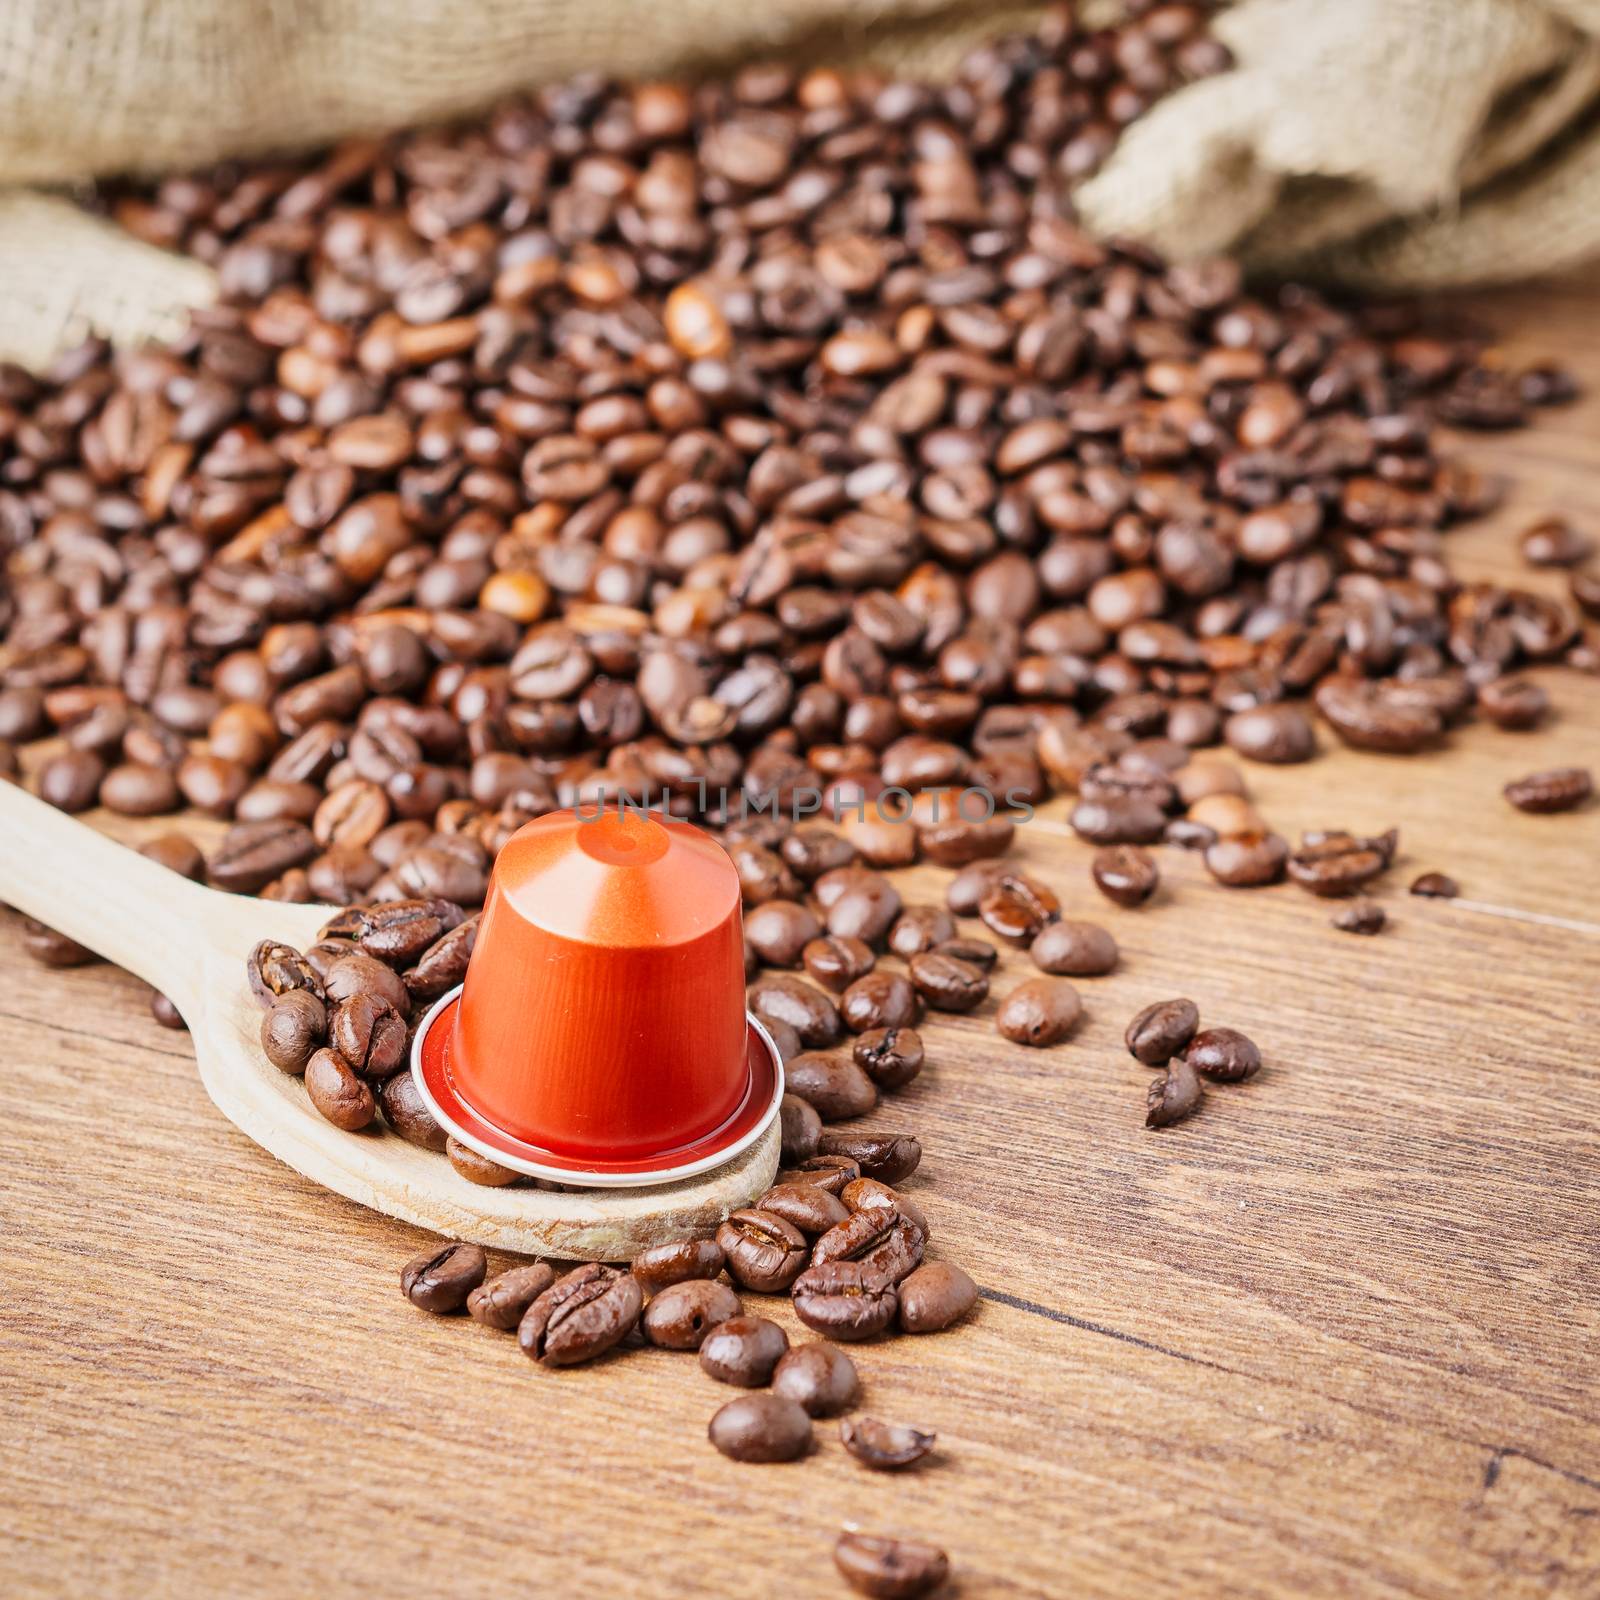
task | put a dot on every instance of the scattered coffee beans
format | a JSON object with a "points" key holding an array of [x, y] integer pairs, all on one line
{"points": [[1223, 1054], [441, 1280], [1125, 874], [502, 1301], [580, 1316], [743, 1351], [819, 1377], [1360, 916], [761, 1428], [1173, 1096], [1435, 886], [680, 1317], [663, 1265], [889, 1569], [1039, 1011], [884, 1446], [936, 1295], [1562, 789], [1074, 950], [1161, 1031]]}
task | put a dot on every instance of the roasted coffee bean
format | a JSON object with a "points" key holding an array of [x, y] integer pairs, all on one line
{"points": [[1162, 1030], [1126, 820], [1435, 886], [351, 816], [810, 1209], [801, 1129], [820, 1378], [920, 928], [1125, 874], [890, 1057], [336, 1091], [879, 1000], [860, 1193], [165, 1012], [846, 1300], [936, 1295], [1377, 716], [1554, 542], [680, 1317], [1513, 703], [52, 949], [1017, 907], [275, 970], [761, 1428], [1039, 1012], [1335, 863], [1248, 860], [1073, 950], [177, 852], [865, 907], [743, 1351], [880, 1237], [442, 965], [370, 1034], [780, 998], [884, 1446], [295, 1024], [441, 1280], [956, 841], [889, 1569], [407, 1113], [1186, 834], [476, 1167], [359, 973], [71, 781], [663, 1265], [503, 1300], [132, 790], [780, 931], [581, 1316], [763, 1252], [1272, 733], [402, 931], [810, 852], [827, 1172], [967, 889], [887, 1157], [837, 962], [1224, 1054], [1360, 916], [252, 854], [835, 1086], [977, 953], [1561, 789], [948, 984], [1173, 1096]]}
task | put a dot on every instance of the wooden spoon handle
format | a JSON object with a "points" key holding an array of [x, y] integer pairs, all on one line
{"points": [[119, 904]]}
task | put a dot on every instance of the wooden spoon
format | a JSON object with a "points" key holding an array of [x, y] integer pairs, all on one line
{"points": [[191, 943]]}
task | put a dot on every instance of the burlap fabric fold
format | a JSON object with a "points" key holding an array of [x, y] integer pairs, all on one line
{"points": [[1391, 143]]}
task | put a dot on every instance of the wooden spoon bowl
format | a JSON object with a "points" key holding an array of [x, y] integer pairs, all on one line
{"points": [[191, 943]]}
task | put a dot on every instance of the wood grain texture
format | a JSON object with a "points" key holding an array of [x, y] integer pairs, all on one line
{"points": [[1337, 1336]]}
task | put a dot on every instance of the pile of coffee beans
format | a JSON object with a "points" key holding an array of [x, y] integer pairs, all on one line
{"points": [[738, 445]]}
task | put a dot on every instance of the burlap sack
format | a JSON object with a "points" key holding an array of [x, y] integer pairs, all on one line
{"points": [[1387, 142], [1390, 144]]}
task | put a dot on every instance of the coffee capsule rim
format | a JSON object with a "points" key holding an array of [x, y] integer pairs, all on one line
{"points": [[755, 1113]]}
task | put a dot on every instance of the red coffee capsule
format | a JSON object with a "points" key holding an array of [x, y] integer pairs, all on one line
{"points": [[601, 1037]]}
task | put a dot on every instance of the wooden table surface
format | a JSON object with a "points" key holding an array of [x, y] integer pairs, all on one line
{"points": [[1338, 1335]]}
